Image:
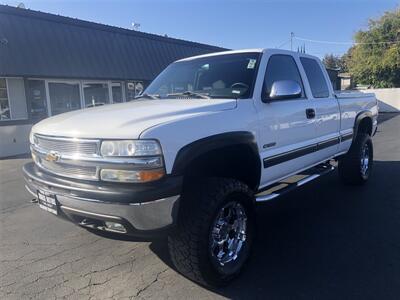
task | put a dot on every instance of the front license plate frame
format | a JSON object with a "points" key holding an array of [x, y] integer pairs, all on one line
{"points": [[48, 202]]}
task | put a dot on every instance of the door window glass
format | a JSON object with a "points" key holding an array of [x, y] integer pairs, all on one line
{"points": [[281, 67], [95, 94], [64, 97], [315, 77]]}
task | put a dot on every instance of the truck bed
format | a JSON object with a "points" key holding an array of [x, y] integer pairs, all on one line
{"points": [[352, 94]]}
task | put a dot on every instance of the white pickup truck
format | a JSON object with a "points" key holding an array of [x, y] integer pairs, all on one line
{"points": [[210, 137]]}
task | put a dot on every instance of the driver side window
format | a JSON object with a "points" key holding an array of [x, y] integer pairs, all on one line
{"points": [[281, 67]]}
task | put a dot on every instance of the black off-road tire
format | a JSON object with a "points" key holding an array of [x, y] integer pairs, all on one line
{"points": [[189, 245], [350, 165]]}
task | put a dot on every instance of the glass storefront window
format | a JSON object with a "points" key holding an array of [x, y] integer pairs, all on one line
{"points": [[116, 89], [64, 97], [36, 94], [4, 103], [95, 94], [138, 88], [133, 89], [130, 91]]}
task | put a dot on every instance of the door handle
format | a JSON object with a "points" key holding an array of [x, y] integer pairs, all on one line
{"points": [[310, 113]]}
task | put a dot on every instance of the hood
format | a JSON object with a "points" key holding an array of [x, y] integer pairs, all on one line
{"points": [[127, 120]]}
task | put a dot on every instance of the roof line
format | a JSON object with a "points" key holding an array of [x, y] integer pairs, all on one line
{"points": [[6, 9]]}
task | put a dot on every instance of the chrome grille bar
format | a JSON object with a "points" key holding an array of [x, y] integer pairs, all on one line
{"points": [[62, 169], [70, 146], [75, 149]]}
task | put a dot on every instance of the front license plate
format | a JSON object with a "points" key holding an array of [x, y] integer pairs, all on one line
{"points": [[48, 202]]}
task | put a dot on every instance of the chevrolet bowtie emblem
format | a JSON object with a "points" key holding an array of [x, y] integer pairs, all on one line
{"points": [[52, 156]]}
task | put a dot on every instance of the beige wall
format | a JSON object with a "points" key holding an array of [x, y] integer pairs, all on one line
{"points": [[14, 140], [389, 99]]}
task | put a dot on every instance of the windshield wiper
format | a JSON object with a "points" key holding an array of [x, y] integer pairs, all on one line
{"points": [[189, 93], [148, 96]]}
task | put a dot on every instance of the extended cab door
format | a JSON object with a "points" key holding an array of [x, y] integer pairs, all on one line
{"points": [[327, 113], [286, 126]]}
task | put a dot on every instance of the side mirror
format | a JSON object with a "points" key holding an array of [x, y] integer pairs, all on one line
{"points": [[284, 89]]}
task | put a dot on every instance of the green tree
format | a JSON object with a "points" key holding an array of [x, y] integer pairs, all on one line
{"points": [[344, 62], [331, 61], [375, 58]]}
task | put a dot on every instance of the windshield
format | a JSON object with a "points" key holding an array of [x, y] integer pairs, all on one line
{"points": [[221, 76]]}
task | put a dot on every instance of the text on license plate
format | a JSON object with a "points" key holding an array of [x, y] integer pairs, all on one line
{"points": [[47, 202]]}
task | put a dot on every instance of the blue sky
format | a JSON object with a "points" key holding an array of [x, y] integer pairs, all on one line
{"points": [[233, 24]]}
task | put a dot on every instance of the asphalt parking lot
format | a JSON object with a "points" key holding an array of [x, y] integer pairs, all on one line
{"points": [[323, 241]]}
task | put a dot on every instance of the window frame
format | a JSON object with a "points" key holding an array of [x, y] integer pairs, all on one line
{"points": [[48, 80], [264, 98], [66, 81], [82, 88], [9, 104], [28, 100], [111, 95], [323, 76]]}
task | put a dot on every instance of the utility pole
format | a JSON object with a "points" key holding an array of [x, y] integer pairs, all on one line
{"points": [[291, 40]]}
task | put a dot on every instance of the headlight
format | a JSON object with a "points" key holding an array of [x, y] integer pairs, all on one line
{"points": [[127, 148], [145, 158]]}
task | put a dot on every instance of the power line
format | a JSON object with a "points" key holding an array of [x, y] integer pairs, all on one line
{"points": [[283, 44], [343, 43]]}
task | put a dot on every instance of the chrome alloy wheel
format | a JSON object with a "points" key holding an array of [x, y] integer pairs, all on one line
{"points": [[365, 157], [228, 234]]}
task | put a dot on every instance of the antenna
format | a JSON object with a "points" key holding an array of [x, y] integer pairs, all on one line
{"points": [[21, 5], [135, 26]]}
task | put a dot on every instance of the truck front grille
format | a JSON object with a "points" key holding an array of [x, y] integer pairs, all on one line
{"points": [[68, 146], [67, 170], [70, 155]]}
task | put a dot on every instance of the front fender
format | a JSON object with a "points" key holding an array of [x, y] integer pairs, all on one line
{"points": [[178, 133], [190, 152]]}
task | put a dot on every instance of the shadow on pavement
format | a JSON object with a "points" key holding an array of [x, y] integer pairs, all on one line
{"points": [[325, 241], [19, 156], [383, 117]]}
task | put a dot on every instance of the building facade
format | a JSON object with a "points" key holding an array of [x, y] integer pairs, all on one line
{"points": [[51, 64]]}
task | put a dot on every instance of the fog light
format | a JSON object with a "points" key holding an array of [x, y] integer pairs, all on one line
{"points": [[115, 227]]}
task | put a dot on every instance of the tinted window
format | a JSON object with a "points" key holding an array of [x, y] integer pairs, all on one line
{"points": [[281, 67], [315, 77]]}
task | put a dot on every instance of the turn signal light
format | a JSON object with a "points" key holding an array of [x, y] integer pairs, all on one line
{"points": [[131, 175]]}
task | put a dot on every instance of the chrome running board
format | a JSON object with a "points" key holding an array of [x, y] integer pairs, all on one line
{"points": [[290, 183]]}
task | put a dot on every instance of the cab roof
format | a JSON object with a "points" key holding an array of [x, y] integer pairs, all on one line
{"points": [[256, 50]]}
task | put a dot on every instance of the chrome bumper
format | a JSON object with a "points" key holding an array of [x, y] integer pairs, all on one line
{"points": [[141, 218]]}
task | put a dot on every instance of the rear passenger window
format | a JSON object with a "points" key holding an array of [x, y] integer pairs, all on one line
{"points": [[281, 67], [315, 77]]}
